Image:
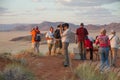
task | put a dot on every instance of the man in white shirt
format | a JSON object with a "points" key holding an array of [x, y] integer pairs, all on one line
{"points": [[50, 39], [65, 35], [114, 43]]}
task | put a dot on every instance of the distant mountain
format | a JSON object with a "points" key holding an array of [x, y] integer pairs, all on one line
{"points": [[44, 26], [7, 27], [114, 26]]}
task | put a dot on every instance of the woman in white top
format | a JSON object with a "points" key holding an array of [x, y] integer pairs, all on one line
{"points": [[50, 39]]}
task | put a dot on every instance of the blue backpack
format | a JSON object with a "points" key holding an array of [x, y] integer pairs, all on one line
{"points": [[37, 37]]}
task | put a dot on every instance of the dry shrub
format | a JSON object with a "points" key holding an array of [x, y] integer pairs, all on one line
{"points": [[86, 71], [17, 72]]}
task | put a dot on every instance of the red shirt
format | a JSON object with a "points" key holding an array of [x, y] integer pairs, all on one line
{"points": [[103, 40], [88, 43], [81, 34]]}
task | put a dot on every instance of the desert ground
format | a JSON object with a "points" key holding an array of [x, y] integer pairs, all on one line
{"points": [[41, 65], [16, 46]]}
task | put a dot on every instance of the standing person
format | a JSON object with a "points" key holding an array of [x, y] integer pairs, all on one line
{"points": [[114, 44], [65, 35], [81, 34], [50, 39], [58, 42], [89, 46], [35, 39], [103, 41]]}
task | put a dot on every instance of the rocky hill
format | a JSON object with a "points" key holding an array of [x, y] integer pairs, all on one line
{"points": [[44, 26]]}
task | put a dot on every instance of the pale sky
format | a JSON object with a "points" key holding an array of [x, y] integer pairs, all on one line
{"points": [[71, 11]]}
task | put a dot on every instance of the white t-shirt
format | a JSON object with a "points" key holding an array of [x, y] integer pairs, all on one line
{"points": [[115, 41], [49, 34], [66, 36]]}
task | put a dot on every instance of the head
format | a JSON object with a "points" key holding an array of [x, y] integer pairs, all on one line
{"points": [[113, 32], [36, 27], [103, 31], [86, 38], [60, 25], [33, 28], [65, 26], [82, 25], [51, 29]]}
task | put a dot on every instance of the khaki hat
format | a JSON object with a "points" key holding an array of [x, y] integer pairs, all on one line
{"points": [[112, 31]]}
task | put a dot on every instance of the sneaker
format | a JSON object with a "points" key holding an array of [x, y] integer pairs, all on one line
{"points": [[65, 64]]}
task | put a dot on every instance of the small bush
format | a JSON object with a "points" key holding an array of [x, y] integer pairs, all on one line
{"points": [[6, 55], [112, 76], [31, 52], [1, 77], [17, 72], [87, 72], [21, 61]]}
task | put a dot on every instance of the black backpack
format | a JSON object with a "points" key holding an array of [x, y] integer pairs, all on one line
{"points": [[37, 37], [57, 34]]}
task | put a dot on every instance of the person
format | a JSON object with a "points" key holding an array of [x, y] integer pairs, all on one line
{"points": [[65, 35], [33, 37], [103, 41], [81, 34], [58, 42], [50, 39], [89, 46], [114, 44], [35, 43]]}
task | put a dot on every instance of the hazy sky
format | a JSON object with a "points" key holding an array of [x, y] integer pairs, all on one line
{"points": [[74, 11]]}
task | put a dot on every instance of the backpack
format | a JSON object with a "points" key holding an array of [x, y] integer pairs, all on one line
{"points": [[57, 34], [37, 37]]}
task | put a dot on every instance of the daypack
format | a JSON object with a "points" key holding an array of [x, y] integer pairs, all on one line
{"points": [[57, 34], [37, 37]]}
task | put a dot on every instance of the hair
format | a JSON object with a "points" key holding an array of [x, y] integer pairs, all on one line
{"points": [[103, 31], [65, 25], [51, 27], [82, 24], [58, 25]]}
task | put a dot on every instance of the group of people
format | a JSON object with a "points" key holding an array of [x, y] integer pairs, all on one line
{"points": [[60, 39], [108, 46]]}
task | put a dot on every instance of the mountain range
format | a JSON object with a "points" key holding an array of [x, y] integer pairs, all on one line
{"points": [[44, 26]]}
